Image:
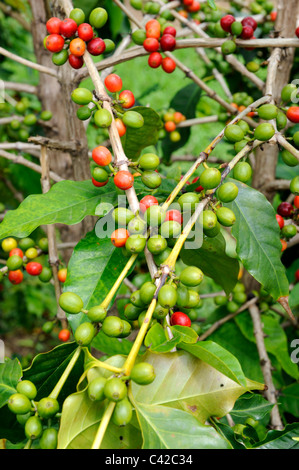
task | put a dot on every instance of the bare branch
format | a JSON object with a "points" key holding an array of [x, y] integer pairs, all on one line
{"points": [[28, 63]]}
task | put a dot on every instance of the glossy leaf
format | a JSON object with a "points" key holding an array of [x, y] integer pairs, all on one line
{"points": [[169, 428], [253, 406], [212, 259], [67, 202], [10, 373], [135, 140], [80, 421], [219, 358], [93, 268], [258, 240], [285, 439], [47, 368], [189, 384]]}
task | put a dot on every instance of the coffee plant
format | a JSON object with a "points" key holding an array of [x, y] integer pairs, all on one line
{"points": [[149, 190]]}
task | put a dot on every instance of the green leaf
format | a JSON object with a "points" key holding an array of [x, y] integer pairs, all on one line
{"points": [[258, 240], [185, 101], [212, 259], [67, 202], [228, 433], [10, 374], [185, 382], [47, 368], [251, 405], [276, 341], [285, 439], [289, 399], [219, 358], [80, 420], [184, 333], [135, 140], [93, 268], [111, 346], [167, 428], [212, 4]]}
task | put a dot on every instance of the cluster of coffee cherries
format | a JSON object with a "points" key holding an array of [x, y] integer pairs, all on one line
{"points": [[68, 39], [233, 302], [26, 120], [287, 218], [24, 256], [104, 385], [146, 169], [38, 418], [171, 120], [243, 29], [156, 40], [121, 101], [289, 94]]}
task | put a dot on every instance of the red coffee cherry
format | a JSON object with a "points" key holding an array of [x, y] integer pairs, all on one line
{"points": [[119, 237], [15, 277], [53, 25], [285, 209], [33, 268], [124, 179], [77, 47], [280, 220], [113, 83], [174, 215], [226, 22], [297, 275], [151, 44], [167, 42], [64, 335], [75, 61], [293, 114], [54, 43], [68, 28], [297, 29], [99, 184], [249, 21], [101, 156], [128, 98], [147, 201], [194, 7], [96, 46], [296, 202], [199, 188], [121, 128], [17, 252], [62, 274], [180, 318], [155, 60], [153, 29], [247, 32], [85, 32], [170, 30], [168, 65]]}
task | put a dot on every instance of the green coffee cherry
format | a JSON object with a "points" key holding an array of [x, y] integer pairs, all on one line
{"points": [[82, 96], [151, 179], [97, 314], [131, 312], [288, 158], [103, 118], [85, 333], [115, 389], [160, 312], [264, 132], [191, 276], [209, 219], [33, 428], [14, 262], [27, 388], [49, 439], [98, 17], [154, 216], [133, 119], [228, 47], [71, 302], [18, 403], [211, 177], [143, 373], [122, 216], [242, 172], [171, 229], [147, 292], [46, 274], [77, 15], [47, 407], [135, 299], [227, 192], [136, 243], [95, 389], [182, 297], [225, 216], [167, 296], [267, 112], [156, 244], [194, 299], [149, 161], [113, 326], [188, 201], [122, 413], [294, 185], [234, 133], [136, 226]]}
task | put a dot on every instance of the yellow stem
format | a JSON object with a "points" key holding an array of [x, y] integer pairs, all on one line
{"points": [[103, 425], [119, 281]]}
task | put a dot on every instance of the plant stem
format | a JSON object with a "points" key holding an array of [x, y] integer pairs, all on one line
{"points": [[103, 426], [119, 281], [57, 389]]}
